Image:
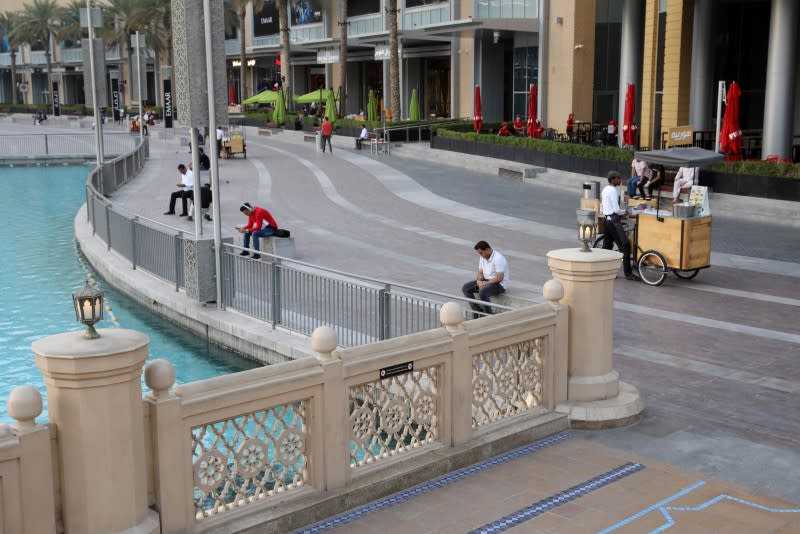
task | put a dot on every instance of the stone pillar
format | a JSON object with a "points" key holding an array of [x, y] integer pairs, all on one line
{"points": [[95, 399], [630, 61], [595, 396], [702, 85], [781, 71]]}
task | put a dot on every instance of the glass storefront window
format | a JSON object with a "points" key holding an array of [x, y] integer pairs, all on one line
{"points": [[525, 72], [508, 9]]}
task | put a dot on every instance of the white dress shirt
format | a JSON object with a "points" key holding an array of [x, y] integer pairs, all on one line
{"points": [[609, 201]]}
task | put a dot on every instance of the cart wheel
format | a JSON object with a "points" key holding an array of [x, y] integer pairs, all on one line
{"points": [[685, 275], [652, 268]]}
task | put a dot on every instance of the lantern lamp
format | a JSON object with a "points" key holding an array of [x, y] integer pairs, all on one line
{"points": [[88, 309], [587, 228]]}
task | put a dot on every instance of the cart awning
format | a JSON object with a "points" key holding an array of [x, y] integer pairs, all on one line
{"points": [[680, 157]]}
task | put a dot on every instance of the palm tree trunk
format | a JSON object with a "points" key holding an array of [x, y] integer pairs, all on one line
{"points": [[283, 24], [50, 78], [14, 88], [243, 85], [343, 24], [394, 59], [156, 76]]}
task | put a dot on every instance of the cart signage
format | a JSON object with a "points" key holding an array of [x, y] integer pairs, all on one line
{"points": [[681, 136]]}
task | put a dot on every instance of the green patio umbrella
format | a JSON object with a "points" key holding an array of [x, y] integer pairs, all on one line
{"points": [[279, 116], [372, 107], [413, 107], [317, 95], [264, 97], [330, 108]]}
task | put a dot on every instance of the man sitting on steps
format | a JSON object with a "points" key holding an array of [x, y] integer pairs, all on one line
{"points": [[260, 223], [492, 277]]}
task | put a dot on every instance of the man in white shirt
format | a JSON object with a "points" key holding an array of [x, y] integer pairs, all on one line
{"points": [[363, 137], [220, 135], [686, 177], [614, 231], [185, 191], [492, 279]]}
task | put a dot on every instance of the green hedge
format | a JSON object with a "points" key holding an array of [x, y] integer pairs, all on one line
{"points": [[755, 168]]}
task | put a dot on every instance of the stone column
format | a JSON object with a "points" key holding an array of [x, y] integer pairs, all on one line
{"points": [[630, 61], [702, 84], [595, 396], [781, 70], [95, 399]]}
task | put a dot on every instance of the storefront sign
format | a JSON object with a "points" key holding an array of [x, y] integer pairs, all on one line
{"points": [[167, 103], [382, 53], [115, 100], [328, 55], [681, 136], [265, 22], [56, 102]]}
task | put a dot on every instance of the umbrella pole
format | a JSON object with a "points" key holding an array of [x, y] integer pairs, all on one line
{"points": [[720, 96]]}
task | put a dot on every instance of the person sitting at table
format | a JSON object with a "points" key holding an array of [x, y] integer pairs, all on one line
{"points": [[519, 126], [686, 177], [638, 168], [504, 131], [655, 176]]}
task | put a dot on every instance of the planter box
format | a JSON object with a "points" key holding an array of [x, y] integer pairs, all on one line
{"points": [[776, 187]]}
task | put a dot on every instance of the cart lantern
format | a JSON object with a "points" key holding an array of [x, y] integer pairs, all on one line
{"points": [[587, 228], [88, 309]]}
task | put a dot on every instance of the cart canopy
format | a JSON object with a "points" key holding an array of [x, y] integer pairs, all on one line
{"points": [[680, 157]]}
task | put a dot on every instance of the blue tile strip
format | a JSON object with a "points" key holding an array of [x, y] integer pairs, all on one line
{"points": [[554, 501], [425, 487]]}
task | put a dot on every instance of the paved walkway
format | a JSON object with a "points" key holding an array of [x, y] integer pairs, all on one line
{"points": [[715, 358]]}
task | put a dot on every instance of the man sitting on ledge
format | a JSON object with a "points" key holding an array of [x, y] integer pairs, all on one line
{"points": [[259, 224], [492, 277]]}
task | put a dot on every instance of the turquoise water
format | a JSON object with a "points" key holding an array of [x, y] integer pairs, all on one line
{"points": [[39, 270]]}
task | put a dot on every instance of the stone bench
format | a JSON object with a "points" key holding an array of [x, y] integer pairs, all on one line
{"points": [[278, 246], [264, 131], [515, 299], [310, 137], [523, 172]]}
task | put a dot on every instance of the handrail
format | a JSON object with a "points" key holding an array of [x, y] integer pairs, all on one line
{"points": [[428, 126]]}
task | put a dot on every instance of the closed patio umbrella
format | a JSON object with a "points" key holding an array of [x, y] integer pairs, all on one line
{"points": [[532, 110], [628, 127], [477, 117], [279, 117], [413, 107], [372, 107], [330, 107], [730, 136]]}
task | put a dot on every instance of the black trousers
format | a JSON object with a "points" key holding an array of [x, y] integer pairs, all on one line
{"points": [[184, 196], [470, 288], [615, 233], [326, 139]]}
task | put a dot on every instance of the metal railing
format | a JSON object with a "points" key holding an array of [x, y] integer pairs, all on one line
{"points": [[301, 297], [418, 131], [72, 145]]}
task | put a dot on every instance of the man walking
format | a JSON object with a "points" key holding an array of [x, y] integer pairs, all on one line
{"points": [[614, 231], [492, 279], [260, 223], [184, 192], [327, 131]]}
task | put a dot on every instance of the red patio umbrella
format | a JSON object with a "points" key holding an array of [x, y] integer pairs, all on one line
{"points": [[628, 127], [532, 110], [232, 94], [477, 118], [730, 136]]}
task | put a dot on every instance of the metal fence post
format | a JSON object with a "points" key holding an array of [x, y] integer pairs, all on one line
{"points": [[275, 268], [133, 241], [177, 254], [46, 146], [88, 205], [385, 312], [108, 226]]}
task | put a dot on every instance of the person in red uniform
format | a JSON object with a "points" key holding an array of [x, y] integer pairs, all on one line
{"points": [[504, 131], [327, 131], [260, 223], [519, 126], [571, 126]]}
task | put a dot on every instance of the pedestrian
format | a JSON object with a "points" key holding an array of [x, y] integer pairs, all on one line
{"points": [[492, 279], [260, 223], [220, 135], [614, 230], [205, 163], [184, 192], [327, 131]]}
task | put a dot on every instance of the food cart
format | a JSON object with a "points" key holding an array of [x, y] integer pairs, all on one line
{"points": [[234, 142], [677, 239]]}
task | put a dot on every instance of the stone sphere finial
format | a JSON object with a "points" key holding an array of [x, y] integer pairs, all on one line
{"points": [[553, 291], [159, 375], [451, 316], [324, 342], [25, 405]]}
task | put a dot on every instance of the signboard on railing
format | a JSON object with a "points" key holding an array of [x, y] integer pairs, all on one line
{"points": [[680, 136], [397, 369]]}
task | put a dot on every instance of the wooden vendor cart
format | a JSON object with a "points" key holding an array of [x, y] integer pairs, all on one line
{"points": [[234, 143]]}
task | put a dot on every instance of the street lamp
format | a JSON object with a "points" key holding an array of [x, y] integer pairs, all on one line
{"points": [[88, 304], [587, 228]]}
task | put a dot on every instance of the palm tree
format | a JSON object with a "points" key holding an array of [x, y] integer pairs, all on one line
{"points": [[283, 25], [343, 24], [70, 29], [241, 8], [394, 58], [8, 22], [38, 24], [122, 19]]}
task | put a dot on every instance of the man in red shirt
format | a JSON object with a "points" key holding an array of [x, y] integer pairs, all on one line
{"points": [[327, 131], [260, 223], [519, 126]]}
